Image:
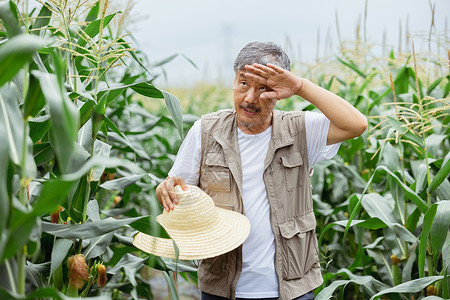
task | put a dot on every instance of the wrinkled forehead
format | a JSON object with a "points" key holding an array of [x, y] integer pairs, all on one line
{"points": [[240, 75]]}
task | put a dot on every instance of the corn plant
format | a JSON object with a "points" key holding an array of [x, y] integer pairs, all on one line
{"points": [[79, 157], [383, 204]]}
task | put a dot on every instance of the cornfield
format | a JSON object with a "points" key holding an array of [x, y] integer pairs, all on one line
{"points": [[84, 143]]}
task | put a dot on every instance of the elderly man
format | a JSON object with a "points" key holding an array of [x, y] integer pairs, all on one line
{"points": [[257, 160]]}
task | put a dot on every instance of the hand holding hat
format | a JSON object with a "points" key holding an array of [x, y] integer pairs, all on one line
{"points": [[199, 228]]}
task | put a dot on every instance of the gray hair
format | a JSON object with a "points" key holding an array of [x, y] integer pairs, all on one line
{"points": [[262, 53]]}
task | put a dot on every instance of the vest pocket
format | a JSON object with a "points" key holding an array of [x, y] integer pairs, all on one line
{"points": [[300, 249], [292, 170], [217, 175]]}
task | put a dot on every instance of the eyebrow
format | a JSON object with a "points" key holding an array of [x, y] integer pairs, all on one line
{"points": [[242, 75]]}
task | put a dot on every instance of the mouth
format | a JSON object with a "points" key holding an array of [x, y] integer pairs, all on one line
{"points": [[250, 109]]}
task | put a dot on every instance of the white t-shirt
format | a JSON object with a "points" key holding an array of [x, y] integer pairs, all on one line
{"points": [[258, 278]]}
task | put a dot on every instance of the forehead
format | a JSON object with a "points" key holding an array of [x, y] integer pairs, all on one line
{"points": [[240, 75]]}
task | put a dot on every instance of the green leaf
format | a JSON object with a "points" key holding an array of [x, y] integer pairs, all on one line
{"points": [[412, 286], [371, 283], [439, 228], [98, 245], [174, 107], [15, 52], [38, 128], [164, 61], [52, 194], [93, 12], [86, 111], [172, 285], [121, 183], [441, 175], [398, 126], [86, 230], [42, 20], [64, 119], [102, 150], [4, 191], [353, 67], [35, 99], [434, 85], [9, 14], [93, 30], [59, 253], [12, 123], [426, 227], [148, 225], [127, 261], [407, 190], [146, 89]]}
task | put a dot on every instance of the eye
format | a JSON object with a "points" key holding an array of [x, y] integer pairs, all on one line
{"points": [[243, 83], [263, 88]]}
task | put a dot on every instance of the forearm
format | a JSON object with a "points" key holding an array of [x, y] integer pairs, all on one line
{"points": [[346, 121]]}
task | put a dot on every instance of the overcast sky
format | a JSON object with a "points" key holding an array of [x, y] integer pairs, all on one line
{"points": [[211, 33]]}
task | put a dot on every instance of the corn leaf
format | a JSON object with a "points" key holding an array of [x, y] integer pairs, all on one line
{"points": [[439, 228], [42, 20], [412, 286], [15, 52], [86, 230], [9, 14], [59, 253], [441, 175], [64, 118], [35, 99]]}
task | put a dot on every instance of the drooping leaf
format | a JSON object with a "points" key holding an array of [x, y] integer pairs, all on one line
{"points": [[121, 183], [15, 52], [174, 107], [97, 245], [407, 190], [10, 17], [64, 119], [86, 230], [412, 286]]}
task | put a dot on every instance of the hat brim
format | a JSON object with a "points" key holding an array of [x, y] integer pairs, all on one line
{"points": [[229, 233]]}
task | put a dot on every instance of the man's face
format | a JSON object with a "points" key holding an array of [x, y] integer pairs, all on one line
{"points": [[254, 115]]}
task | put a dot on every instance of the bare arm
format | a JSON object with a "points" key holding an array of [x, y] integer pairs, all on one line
{"points": [[345, 120]]}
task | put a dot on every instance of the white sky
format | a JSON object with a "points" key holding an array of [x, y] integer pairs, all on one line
{"points": [[211, 33]]}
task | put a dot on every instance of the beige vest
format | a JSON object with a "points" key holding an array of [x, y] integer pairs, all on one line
{"points": [[288, 188]]}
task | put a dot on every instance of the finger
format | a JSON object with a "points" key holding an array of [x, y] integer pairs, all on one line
{"points": [[165, 199], [267, 69], [181, 182], [256, 77], [170, 185], [256, 71], [276, 68], [270, 95]]}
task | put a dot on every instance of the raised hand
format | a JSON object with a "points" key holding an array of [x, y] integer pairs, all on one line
{"points": [[281, 83]]}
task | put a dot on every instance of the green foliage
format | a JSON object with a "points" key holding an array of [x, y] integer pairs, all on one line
{"points": [[384, 226], [79, 158]]}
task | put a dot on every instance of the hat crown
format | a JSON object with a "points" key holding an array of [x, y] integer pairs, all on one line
{"points": [[195, 209]]}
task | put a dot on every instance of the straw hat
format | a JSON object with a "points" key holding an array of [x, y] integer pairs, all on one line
{"points": [[199, 228]]}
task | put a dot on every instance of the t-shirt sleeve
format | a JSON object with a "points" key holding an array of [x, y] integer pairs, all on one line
{"points": [[187, 162], [317, 126]]}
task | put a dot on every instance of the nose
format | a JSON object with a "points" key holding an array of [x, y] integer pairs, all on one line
{"points": [[251, 96]]}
